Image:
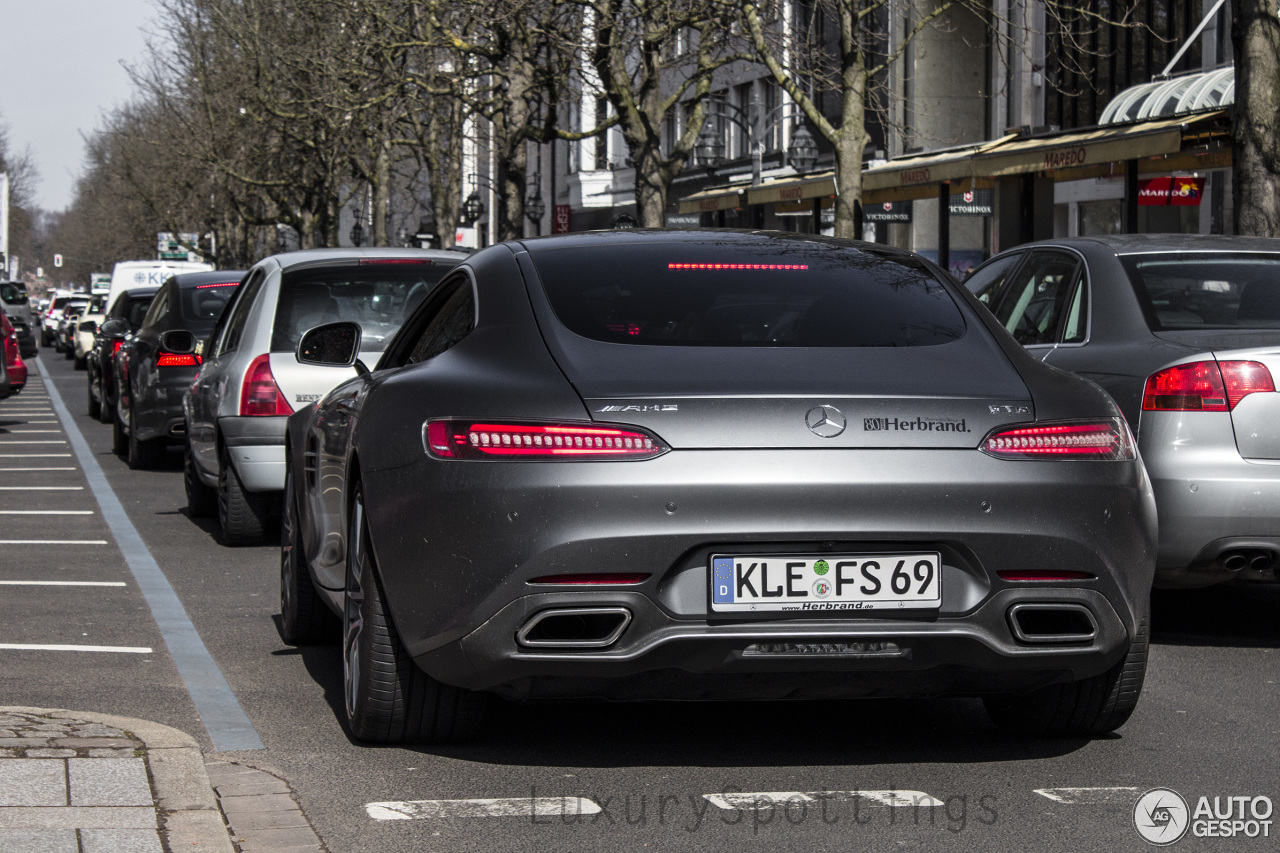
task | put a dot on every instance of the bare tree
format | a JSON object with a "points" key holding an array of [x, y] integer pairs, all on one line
{"points": [[1255, 36]]}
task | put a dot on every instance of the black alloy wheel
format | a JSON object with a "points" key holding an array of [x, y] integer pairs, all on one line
{"points": [[143, 454], [202, 500], [94, 407], [304, 618], [242, 515]]}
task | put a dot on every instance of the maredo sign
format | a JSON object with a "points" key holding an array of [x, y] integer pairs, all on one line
{"points": [[1176, 192]]}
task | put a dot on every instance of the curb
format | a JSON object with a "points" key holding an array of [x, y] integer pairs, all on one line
{"points": [[186, 808]]}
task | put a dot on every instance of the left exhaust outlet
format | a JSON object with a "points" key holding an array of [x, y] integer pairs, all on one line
{"points": [[574, 628]]}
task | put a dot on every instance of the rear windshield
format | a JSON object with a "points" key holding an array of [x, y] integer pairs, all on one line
{"points": [[746, 295], [1202, 290], [136, 308], [13, 293], [202, 305], [378, 296]]}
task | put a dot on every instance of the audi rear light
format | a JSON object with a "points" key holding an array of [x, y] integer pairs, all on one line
{"points": [[459, 439], [1107, 440], [260, 395], [168, 359], [1205, 386], [1243, 378]]}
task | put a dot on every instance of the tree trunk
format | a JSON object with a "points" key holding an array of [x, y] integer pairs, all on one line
{"points": [[1255, 131], [652, 186], [381, 191]]}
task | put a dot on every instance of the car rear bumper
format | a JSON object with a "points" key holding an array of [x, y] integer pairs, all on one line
{"points": [[256, 448], [458, 543]]}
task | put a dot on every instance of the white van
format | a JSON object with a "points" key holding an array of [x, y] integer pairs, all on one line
{"points": [[128, 275]]}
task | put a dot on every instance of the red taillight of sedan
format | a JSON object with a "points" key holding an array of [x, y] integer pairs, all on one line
{"points": [[260, 395], [1205, 386], [1106, 440], [458, 439]]}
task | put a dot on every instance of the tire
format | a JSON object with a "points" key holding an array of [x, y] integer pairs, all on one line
{"points": [[68, 353], [304, 618], [143, 454], [388, 698], [119, 441], [1085, 708], [80, 363], [94, 407], [202, 501], [104, 405], [242, 515]]}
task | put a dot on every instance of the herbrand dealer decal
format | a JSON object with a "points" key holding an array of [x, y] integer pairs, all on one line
{"points": [[916, 425]]}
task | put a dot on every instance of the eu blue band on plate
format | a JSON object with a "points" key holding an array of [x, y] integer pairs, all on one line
{"points": [[722, 580]]}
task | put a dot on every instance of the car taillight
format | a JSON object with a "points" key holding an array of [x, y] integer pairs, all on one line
{"points": [[168, 359], [457, 439], [260, 395], [1106, 440], [1205, 386], [383, 261], [115, 345]]}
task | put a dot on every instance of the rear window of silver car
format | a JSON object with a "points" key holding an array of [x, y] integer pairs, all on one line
{"points": [[743, 295], [378, 296], [1207, 290]]}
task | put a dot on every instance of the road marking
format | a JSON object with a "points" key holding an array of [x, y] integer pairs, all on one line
{"points": [[38, 441], [62, 583], [37, 469], [768, 799], [501, 807], [46, 512], [1088, 796], [35, 455], [30, 431], [228, 725], [42, 488], [53, 542], [26, 647]]}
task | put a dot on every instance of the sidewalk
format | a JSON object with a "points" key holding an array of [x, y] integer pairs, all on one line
{"points": [[80, 782]]}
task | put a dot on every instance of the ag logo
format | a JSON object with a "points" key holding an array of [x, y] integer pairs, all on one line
{"points": [[1161, 816]]}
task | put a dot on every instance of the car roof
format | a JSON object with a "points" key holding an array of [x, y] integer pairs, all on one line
{"points": [[309, 256], [195, 279], [1129, 244]]}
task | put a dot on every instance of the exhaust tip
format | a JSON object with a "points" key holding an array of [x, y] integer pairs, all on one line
{"points": [[1234, 561], [1052, 623], [575, 628]]}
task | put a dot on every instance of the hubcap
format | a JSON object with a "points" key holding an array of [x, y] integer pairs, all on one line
{"points": [[352, 616]]}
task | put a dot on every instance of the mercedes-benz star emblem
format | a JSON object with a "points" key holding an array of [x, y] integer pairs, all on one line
{"points": [[826, 421]]}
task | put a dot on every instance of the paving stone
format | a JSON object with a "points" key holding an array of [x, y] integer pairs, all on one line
{"points": [[242, 822], [23, 742], [264, 784], [274, 839], [51, 753], [6, 752], [72, 817], [120, 841], [39, 841], [24, 782], [109, 782], [86, 742], [7, 733], [112, 753], [257, 803]]}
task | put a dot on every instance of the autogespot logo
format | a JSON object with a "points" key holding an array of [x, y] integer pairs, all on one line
{"points": [[1161, 816], [825, 421]]}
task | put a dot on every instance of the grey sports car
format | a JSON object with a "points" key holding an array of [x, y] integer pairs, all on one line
{"points": [[713, 465]]}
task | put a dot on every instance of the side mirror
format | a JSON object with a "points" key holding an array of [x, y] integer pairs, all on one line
{"points": [[178, 342], [331, 345], [88, 326], [115, 327]]}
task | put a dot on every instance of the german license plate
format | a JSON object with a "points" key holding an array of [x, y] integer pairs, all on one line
{"points": [[807, 584]]}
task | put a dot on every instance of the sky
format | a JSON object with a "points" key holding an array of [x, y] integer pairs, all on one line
{"points": [[62, 72]]}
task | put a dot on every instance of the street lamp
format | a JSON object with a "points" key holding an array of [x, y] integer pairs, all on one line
{"points": [[709, 149], [472, 208], [802, 153], [534, 207], [357, 234]]}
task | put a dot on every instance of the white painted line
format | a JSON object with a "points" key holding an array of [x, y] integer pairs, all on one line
{"points": [[1088, 796], [28, 441], [771, 799], [35, 455], [25, 647], [502, 807], [38, 469], [53, 542], [30, 431], [46, 512], [42, 488], [62, 583]]}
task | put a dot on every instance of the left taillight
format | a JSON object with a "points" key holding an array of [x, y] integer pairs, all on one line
{"points": [[1106, 440], [260, 395], [1205, 386], [466, 439]]}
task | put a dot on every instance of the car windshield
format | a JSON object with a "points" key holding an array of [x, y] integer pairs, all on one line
{"points": [[378, 296], [13, 293], [1207, 290], [745, 295], [137, 308], [203, 303]]}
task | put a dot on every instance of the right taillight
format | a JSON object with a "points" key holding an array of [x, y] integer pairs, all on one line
{"points": [[1205, 386], [1105, 440], [260, 395], [459, 439]]}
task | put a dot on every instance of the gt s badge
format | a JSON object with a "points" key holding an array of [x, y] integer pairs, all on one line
{"points": [[1010, 409], [652, 407]]}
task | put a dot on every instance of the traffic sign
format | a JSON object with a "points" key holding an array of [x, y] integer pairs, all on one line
{"points": [[57, 260]]}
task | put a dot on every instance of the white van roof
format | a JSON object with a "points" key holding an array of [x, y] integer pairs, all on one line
{"points": [[130, 275]]}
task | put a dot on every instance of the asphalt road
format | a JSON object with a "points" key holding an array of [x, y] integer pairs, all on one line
{"points": [[660, 776]]}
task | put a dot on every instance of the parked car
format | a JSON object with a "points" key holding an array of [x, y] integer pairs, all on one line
{"points": [[65, 341], [122, 319], [1184, 332], [17, 304], [87, 328], [155, 366], [682, 465], [53, 313], [15, 369], [250, 379]]}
